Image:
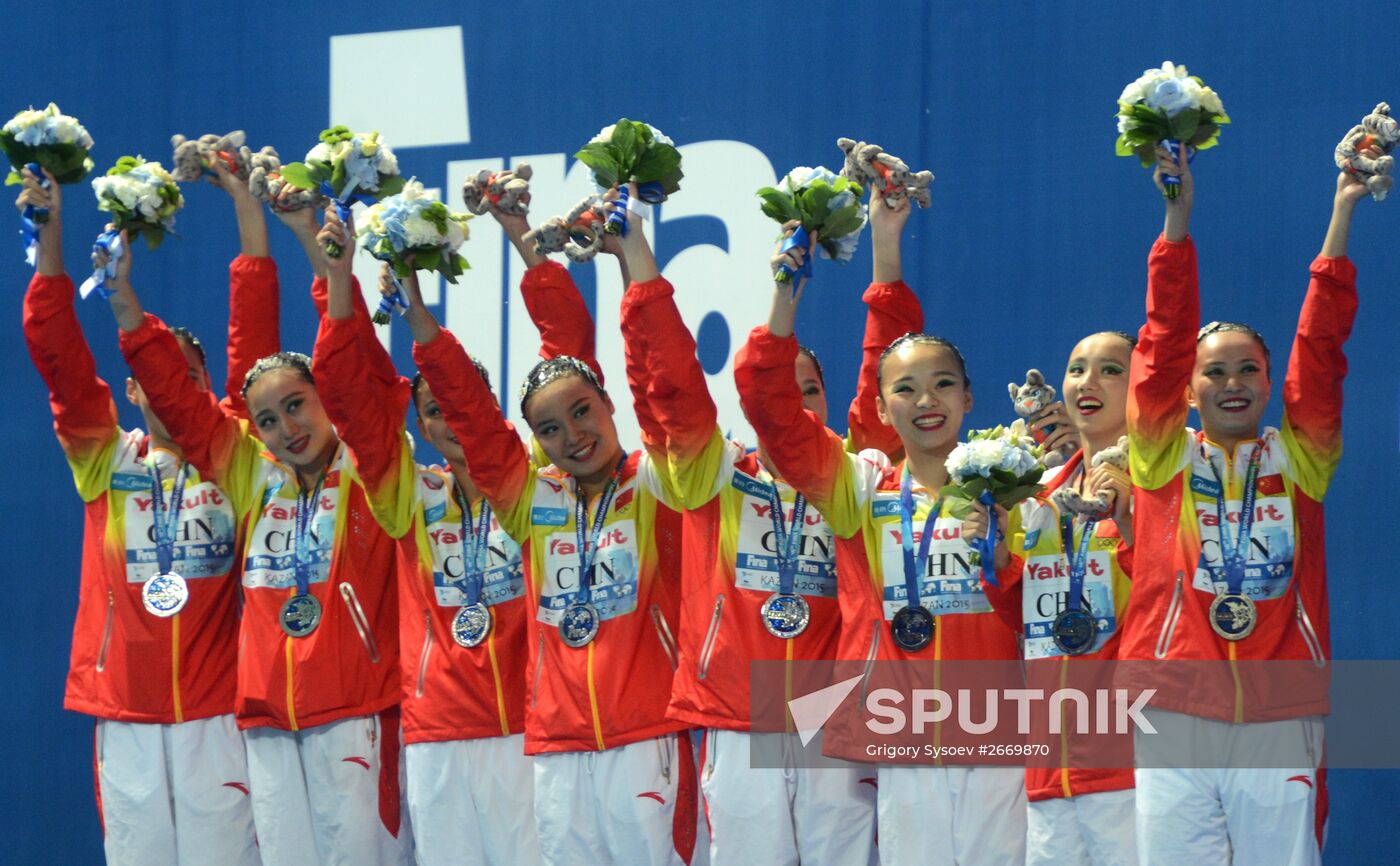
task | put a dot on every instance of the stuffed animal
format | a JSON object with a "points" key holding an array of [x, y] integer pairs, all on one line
{"points": [[578, 234], [1029, 400], [869, 166], [507, 191], [1070, 501], [1377, 130], [192, 156], [266, 184]]}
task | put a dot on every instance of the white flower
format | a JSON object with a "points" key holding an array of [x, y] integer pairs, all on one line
{"points": [[804, 175], [388, 163], [840, 200], [1210, 101], [1124, 124], [1170, 97], [149, 205], [320, 153], [605, 134], [49, 126], [421, 233]]}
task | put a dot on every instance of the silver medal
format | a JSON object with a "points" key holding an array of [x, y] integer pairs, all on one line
{"points": [[785, 615], [471, 625], [300, 615], [578, 625], [165, 594]]}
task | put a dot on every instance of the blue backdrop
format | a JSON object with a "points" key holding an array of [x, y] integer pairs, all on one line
{"points": [[1037, 235]]}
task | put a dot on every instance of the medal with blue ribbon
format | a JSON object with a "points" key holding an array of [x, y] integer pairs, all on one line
{"points": [[165, 593], [913, 625], [473, 621], [301, 614], [1075, 628], [578, 624], [785, 613], [1232, 613]]}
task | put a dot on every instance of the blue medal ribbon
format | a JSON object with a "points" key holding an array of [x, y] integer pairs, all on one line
{"points": [[987, 547], [787, 544], [588, 551], [165, 524], [1078, 561], [914, 566], [109, 243], [473, 550], [306, 514], [786, 273], [1234, 556]]}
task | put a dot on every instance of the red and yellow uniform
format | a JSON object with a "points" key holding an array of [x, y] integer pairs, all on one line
{"points": [[917, 807]]}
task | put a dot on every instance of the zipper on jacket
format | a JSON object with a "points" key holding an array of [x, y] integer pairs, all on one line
{"points": [[663, 631], [664, 756], [870, 657], [539, 669], [1310, 635], [423, 656], [106, 633], [175, 668], [708, 647], [1164, 640], [357, 616]]}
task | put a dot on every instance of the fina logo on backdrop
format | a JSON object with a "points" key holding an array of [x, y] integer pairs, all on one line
{"points": [[718, 290]]}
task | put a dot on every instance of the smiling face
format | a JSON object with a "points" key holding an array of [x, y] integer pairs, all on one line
{"points": [[809, 379], [1229, 386], [573, 423], [290, 420], [923, 396], [1096, 386], [434, 426]]}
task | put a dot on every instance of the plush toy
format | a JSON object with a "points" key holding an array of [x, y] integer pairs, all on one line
{"points": [[869, 166], [1029, 400], [192, 156], [266, 184], [1070, 501], [1377, 130], [507, 191], [578, 234]]}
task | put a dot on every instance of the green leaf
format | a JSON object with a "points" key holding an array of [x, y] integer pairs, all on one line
{"points": [[428, 259], [603, 159], [13, 178], [1010, 496], [391, 185], [658, 162], [299, 175], [1121, 147], [778, 205], [1183, 126], [628, 147], [338, 177], [840, 224]]}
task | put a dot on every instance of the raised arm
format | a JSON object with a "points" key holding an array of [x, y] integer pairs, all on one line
{"points": [[1312, 388], [84, 417], [368, 412], [1166, 351], [892, 310], [253, 293], [810, 457], [498, 461]]}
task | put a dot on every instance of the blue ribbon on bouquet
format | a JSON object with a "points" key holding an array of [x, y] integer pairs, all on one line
{"points": [[617, 220], [986, 547], [786, 273], [388, 302], [1174, 146], [31, 218], [109, 242], [347, 199]]}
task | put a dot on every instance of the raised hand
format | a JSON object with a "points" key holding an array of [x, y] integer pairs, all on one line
{"points": [[1178, 208], [976, 525]]}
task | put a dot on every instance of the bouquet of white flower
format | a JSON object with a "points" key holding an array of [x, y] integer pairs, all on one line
{"points": [[1168, 106], [412, 223], [1001, 466], [826, 205], [347, 167], [44, 139], [631, 151], [142, 198]]}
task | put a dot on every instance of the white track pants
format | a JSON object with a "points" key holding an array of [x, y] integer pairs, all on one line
{"points": [[328, 795], [472, 802], [788, 815], [616, 806], [1084, 830], [1238, 815], [174, 794], [952, 816]]}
